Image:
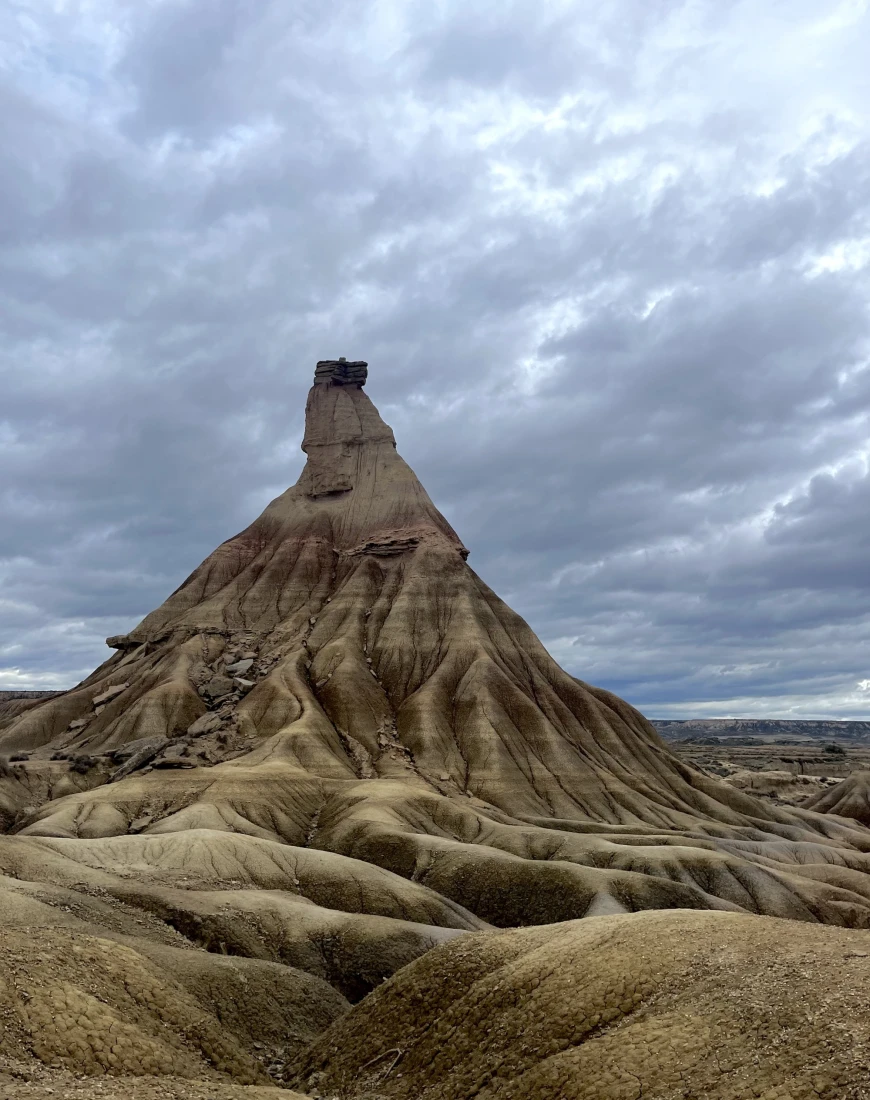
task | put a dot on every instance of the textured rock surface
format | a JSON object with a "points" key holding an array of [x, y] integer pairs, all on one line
{"points": [[341, 373], [659, 1006], [98, 1007], [850, 799], [401, 763]]}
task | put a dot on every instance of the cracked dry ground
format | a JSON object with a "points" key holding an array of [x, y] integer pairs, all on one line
{"points": [[332, 819]]}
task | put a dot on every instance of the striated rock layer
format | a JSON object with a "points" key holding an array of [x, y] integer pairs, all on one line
{"points": [[334, 748]]}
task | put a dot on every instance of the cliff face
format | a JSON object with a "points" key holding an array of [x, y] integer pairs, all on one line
{"points": [[337, 678]]}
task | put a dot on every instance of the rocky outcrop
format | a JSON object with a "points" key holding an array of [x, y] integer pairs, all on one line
{"points": [[339, 372]]}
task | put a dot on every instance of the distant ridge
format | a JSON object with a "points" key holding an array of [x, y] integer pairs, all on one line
{"points": [[10, 696], [824, 730]]}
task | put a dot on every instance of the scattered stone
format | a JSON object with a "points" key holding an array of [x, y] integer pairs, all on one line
{"points": [[143, 752], [125, 752], [243, 685], [239, 667], [109, 694], [217, 687], [99, 710], [206, 723], [174, 762], [340, 372], [77, 724]]}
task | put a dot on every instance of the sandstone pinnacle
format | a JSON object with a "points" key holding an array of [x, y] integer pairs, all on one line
{"points": [[334, 748]]}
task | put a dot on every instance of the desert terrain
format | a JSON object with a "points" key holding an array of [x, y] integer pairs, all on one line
{"points": [[332, 820]]}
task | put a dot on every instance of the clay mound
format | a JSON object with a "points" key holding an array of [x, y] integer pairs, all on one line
{"points": [[851, 798], [99, 1007], [785, 788], [345, 922], [657, 1005]]}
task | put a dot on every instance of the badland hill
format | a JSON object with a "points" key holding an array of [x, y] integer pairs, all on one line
{"points": [[334, 755]]}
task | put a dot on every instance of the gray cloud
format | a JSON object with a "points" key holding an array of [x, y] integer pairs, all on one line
{"points": [[609, 268]]}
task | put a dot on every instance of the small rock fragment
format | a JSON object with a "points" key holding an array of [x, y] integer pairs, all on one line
{"points": [[144, 750], [240, 666], [217, 687], [109, 694], [206, 723]]}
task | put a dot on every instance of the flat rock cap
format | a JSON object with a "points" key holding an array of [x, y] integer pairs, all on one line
{"points": [[341, 372]]}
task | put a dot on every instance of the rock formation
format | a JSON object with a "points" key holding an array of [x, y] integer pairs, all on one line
{"points": [[334, 748], [849, 799]]}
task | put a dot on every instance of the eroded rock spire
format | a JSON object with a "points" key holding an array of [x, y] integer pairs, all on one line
{"points": [[337, 677]]}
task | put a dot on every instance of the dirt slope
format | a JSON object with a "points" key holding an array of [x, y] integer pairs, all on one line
{"points": [[656, 1006], [851, 798]]}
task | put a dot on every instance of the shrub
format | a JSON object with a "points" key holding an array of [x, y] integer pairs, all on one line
{"points": [[836, 750]]}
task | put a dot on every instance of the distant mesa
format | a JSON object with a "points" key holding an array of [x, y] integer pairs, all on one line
{"points": [[826, 729]]}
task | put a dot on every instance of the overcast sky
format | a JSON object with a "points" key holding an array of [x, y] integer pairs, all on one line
{"points": [[608, 263]]}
